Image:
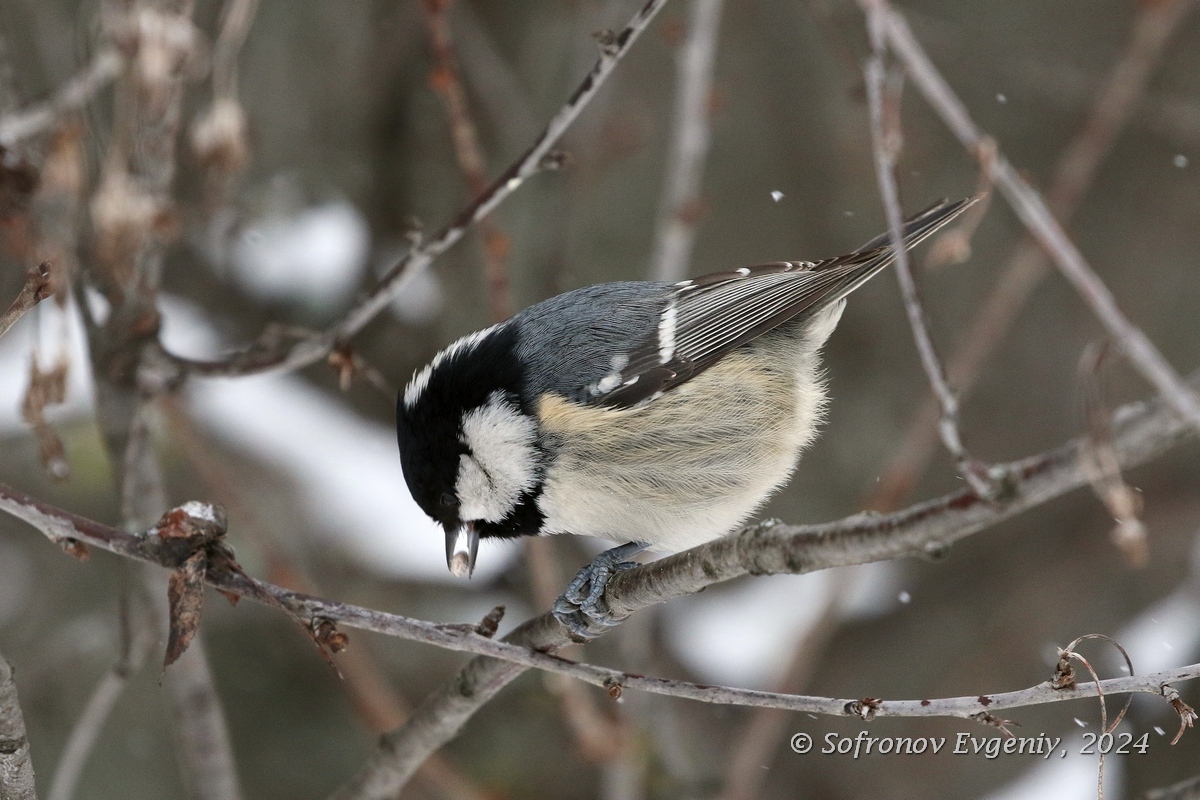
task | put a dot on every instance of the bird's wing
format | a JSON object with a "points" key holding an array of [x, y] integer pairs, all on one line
{"points": [[706, 318]]}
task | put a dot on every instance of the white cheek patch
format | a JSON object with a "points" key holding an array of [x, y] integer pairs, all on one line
{"points": [[502, 464]]}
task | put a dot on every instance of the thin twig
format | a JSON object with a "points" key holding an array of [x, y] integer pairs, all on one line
{"points": [[266, 357], [598, 738], [493, 83], [924, 528], [37, 288], [135, 647], [1029, 206], [759, 739], [886, 141], [680, 207], [128, 215], [1188, 789], [1122, 500], [58, 523], [1142, 431], [201, 732], [447, 84], [103, 68], [220, 135], [379, 706], [822, 548], [236, 19], [16, 766], [1027, 266]]}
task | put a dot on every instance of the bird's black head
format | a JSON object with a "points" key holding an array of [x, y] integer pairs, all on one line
{"points": [[469, 443]]}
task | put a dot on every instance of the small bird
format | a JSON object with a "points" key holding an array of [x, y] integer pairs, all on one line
{"points": [[662, 414]]}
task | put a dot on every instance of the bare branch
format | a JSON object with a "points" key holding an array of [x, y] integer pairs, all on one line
{"points": [[266, 357], [16, 766], [104, 67], [38, 287], [680, 207], [928, 527], [378, 704], [886, 141], [1028, 205], [1026, 267], [1141, 431], [132, 213]]}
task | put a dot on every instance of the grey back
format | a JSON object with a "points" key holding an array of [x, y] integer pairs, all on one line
{"points": [[568, 341]]}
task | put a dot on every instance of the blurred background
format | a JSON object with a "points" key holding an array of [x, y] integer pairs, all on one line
{"points": [[346, 154]]}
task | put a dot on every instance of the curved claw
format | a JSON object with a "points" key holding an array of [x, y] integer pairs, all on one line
{"points": [[584, 612]]}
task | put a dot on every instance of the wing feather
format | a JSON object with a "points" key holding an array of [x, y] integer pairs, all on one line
{"points": [[707, 317]]}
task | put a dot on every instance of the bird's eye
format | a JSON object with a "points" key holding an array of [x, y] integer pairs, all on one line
{"points": [[448, 500]]}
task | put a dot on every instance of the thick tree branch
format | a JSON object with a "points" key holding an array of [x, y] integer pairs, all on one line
{"points": [[1028, 205], [1141, 431], [16, 767], [267, 355]]}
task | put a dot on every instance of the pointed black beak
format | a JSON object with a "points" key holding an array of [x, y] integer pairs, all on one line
{"points": [[462, 543]]}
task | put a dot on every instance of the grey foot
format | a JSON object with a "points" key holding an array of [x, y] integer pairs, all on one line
{"points": [[581, 608]]}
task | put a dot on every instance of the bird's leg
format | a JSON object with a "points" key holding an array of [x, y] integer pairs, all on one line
{"points": [[581, 606]]}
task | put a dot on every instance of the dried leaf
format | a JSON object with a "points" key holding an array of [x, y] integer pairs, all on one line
{"points": [[47, 388], [325, 632], [75, 548], [1101, 466], [185, 597]]}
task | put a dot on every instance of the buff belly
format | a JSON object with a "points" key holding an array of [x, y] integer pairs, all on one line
{"points": [[695, 463]]}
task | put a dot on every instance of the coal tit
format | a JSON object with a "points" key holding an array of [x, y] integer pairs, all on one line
{"points": [[660, 413]]}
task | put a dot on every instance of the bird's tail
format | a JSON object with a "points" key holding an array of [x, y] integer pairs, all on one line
{"points": [[923, 224]]}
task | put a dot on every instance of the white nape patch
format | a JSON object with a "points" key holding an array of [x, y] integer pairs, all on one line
{"points": [[666, 334], [744, 271], [684, 284], [502, 464], [420, 380]]}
